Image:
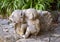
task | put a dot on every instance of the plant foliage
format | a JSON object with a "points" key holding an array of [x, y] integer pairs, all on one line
{"points": [[7, 6]]}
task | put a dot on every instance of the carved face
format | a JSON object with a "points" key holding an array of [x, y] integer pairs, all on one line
{"points": [[17, 16], [31, 13]]}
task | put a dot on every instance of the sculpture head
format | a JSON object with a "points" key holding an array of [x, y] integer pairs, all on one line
{"points": [[17, 16], [31, 13]]}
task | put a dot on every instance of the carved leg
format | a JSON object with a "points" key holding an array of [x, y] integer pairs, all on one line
{"points": [[18, 29], [28, 32]]}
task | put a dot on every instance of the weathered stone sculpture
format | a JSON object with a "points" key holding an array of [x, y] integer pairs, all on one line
{"points": [[45, 20], [33, 22], [17, 17]]}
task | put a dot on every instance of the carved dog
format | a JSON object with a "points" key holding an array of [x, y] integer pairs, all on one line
{"points": [[33, 22], [45, 20], [18, 17]]}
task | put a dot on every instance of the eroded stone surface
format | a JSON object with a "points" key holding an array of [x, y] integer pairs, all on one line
{"points": [[59, 17], [4, 21], [55, 36], [33, 40], [56, 31], [7, 34], [28, 40], [55, 39]]}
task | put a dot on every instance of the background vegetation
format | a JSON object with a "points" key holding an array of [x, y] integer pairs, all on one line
{"points": [[7, 6]]}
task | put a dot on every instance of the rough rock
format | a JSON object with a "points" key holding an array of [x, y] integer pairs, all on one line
{"points": [[33, 40], [45, 20], [7, 33], [55, 16], [56, 31], [55, 39], [59, 17], [55, 36], [4, 21]]}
